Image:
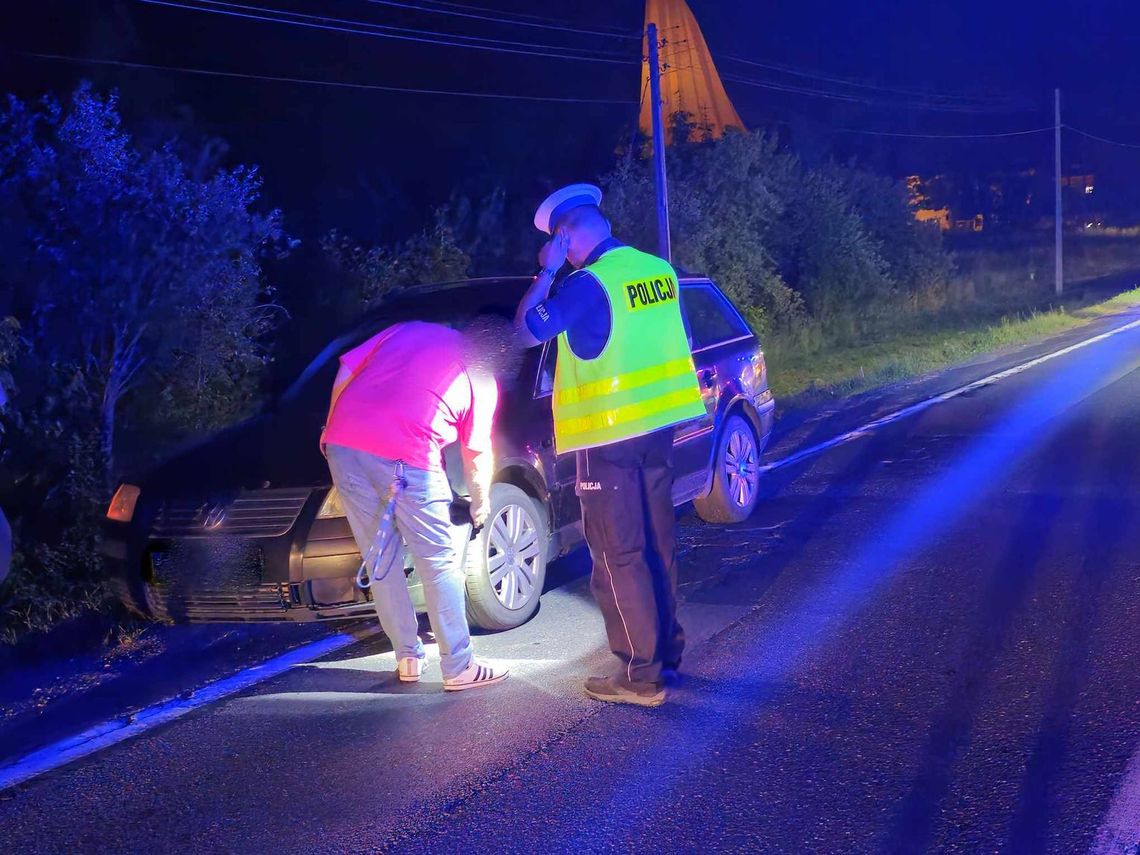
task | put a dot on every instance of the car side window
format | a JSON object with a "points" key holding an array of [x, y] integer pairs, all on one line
{"points": [[712, 319]]}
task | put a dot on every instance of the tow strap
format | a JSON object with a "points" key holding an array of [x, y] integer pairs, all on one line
{"points": [[385, 552]]}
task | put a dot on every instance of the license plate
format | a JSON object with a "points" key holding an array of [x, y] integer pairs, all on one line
{"points": [[216, 564]]}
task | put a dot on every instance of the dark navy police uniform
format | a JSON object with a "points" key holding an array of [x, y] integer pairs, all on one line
{"points": [[625, 532]]}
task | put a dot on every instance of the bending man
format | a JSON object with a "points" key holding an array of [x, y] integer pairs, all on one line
{"points": [[399, 399]]}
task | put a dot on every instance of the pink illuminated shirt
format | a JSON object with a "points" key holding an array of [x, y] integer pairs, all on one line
{"points": [[410, 395]]}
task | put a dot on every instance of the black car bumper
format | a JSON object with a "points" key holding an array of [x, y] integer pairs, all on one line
{"points": [[286, 567]]}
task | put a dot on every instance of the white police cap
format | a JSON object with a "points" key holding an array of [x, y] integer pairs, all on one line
{"points": [[561, 201]]}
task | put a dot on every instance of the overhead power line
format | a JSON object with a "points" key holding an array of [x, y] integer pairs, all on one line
{"points": [[1099, 139], [205, 5], [852, 98], [468, 8], [946, 136], [915, 93], [338, 84], [317, 22], [499, 20]]}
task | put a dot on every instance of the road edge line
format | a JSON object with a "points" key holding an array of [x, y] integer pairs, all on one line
{"points": [[912, 409], [1119, 831], [108, 733]]}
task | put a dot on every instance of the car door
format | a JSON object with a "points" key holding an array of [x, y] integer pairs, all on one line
{"points": [[692, 438], [565, 500], [715, 331]]}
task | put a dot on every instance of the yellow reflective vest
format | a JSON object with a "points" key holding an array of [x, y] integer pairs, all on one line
{"points": [[644, 379]]}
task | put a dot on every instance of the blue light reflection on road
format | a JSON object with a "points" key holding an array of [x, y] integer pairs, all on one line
{"points": [[693, 733]]}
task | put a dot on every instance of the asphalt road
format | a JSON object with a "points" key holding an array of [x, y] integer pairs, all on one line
{"points": [[924, 640]]}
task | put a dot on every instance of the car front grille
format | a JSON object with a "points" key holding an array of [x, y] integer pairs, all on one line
{"points": [[254, 513], [267, 602]]}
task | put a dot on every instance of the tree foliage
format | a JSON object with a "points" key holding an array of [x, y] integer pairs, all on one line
{"points": [[723, 207], [790, 244], [375, 271], [134, 271], [135, 279]]}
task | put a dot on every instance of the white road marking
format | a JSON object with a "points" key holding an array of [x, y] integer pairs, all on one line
{"points": [[112, 732], [905, 412], [1119, 834]]}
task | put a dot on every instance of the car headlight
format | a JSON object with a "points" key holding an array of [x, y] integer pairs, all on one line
{"points": [[331, 506], [122, 507]]}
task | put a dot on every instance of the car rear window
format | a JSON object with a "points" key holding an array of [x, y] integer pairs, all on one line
{"points": [[712, 319]]}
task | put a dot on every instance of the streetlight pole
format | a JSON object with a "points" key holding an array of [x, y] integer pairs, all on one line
{"points": [[1058, 273], [665, 246]]}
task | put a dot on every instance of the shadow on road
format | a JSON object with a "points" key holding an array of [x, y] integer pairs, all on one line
{"points": [[1105, 521], [950, 731]]}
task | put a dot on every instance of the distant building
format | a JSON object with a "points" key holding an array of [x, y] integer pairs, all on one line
{"points": [[690, 83], [1084, 184], [941, 216], [974, 224], [1008, 199], [919, 189]]}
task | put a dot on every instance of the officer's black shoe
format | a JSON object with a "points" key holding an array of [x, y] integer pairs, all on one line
{"points": [[619, 691]]}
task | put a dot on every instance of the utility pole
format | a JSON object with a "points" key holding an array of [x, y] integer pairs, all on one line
{"points": [[1058, 274], [665, 245]]}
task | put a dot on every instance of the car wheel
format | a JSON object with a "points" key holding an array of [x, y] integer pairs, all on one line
{"points": [[736, 477], [506, 563]]}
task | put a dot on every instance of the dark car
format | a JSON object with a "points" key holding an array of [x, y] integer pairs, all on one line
{"points": [[246, 526]]}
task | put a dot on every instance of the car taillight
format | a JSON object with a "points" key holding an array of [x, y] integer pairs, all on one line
{"points": [[331, 506], [122, 507]]}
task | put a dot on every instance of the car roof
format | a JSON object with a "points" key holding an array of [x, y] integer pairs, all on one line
{"points": [[498, 295], [492, 294]]}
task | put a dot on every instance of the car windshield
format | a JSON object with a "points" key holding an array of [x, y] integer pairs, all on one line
{"points": [[444, 304]]}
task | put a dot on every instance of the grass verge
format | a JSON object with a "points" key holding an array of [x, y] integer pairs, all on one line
{"points": [[798, 375]]}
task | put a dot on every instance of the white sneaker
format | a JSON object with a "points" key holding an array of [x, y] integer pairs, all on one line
{"points": [[409, 669], [476, 675]]}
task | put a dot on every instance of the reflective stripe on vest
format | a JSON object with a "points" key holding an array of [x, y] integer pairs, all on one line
{"points": [[643, 380]]}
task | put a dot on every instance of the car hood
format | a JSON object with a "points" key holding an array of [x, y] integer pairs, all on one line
{"points": [[270, 450]]}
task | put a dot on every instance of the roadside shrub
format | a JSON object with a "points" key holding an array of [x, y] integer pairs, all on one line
{"points": [[723, 209], [912, 253], [134, 281], [375, 271], [825, 252]]}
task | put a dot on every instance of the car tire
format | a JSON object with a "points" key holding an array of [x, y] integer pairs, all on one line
{"points": [[506, 562], [736, 474]]}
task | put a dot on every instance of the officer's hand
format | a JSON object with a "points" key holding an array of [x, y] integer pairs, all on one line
{"points": [[553, 255]]}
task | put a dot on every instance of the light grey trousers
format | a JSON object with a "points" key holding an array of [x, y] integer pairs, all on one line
{"points": [[424, 522]]}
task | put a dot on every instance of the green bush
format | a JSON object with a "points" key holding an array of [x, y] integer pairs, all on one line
{"points": [[375, 271], [816, 254], [139, 310]]}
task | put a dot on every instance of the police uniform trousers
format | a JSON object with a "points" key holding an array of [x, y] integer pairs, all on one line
{"points": [[626, 493]]}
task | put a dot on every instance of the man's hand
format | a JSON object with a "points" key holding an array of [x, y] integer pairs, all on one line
{"points": [[553, 254], [479, 513]]}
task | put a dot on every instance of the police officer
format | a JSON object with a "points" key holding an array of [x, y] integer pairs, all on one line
{"points": [[624, 378]]}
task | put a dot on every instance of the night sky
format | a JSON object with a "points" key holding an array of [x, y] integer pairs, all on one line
{"points": [[374, 163]]}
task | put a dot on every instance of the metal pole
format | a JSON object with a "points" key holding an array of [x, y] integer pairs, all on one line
{"points": [[665, 246], [1058, 274]]}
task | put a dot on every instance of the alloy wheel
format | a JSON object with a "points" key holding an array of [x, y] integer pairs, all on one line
{"points": [[741, 467], [512, 552]]}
